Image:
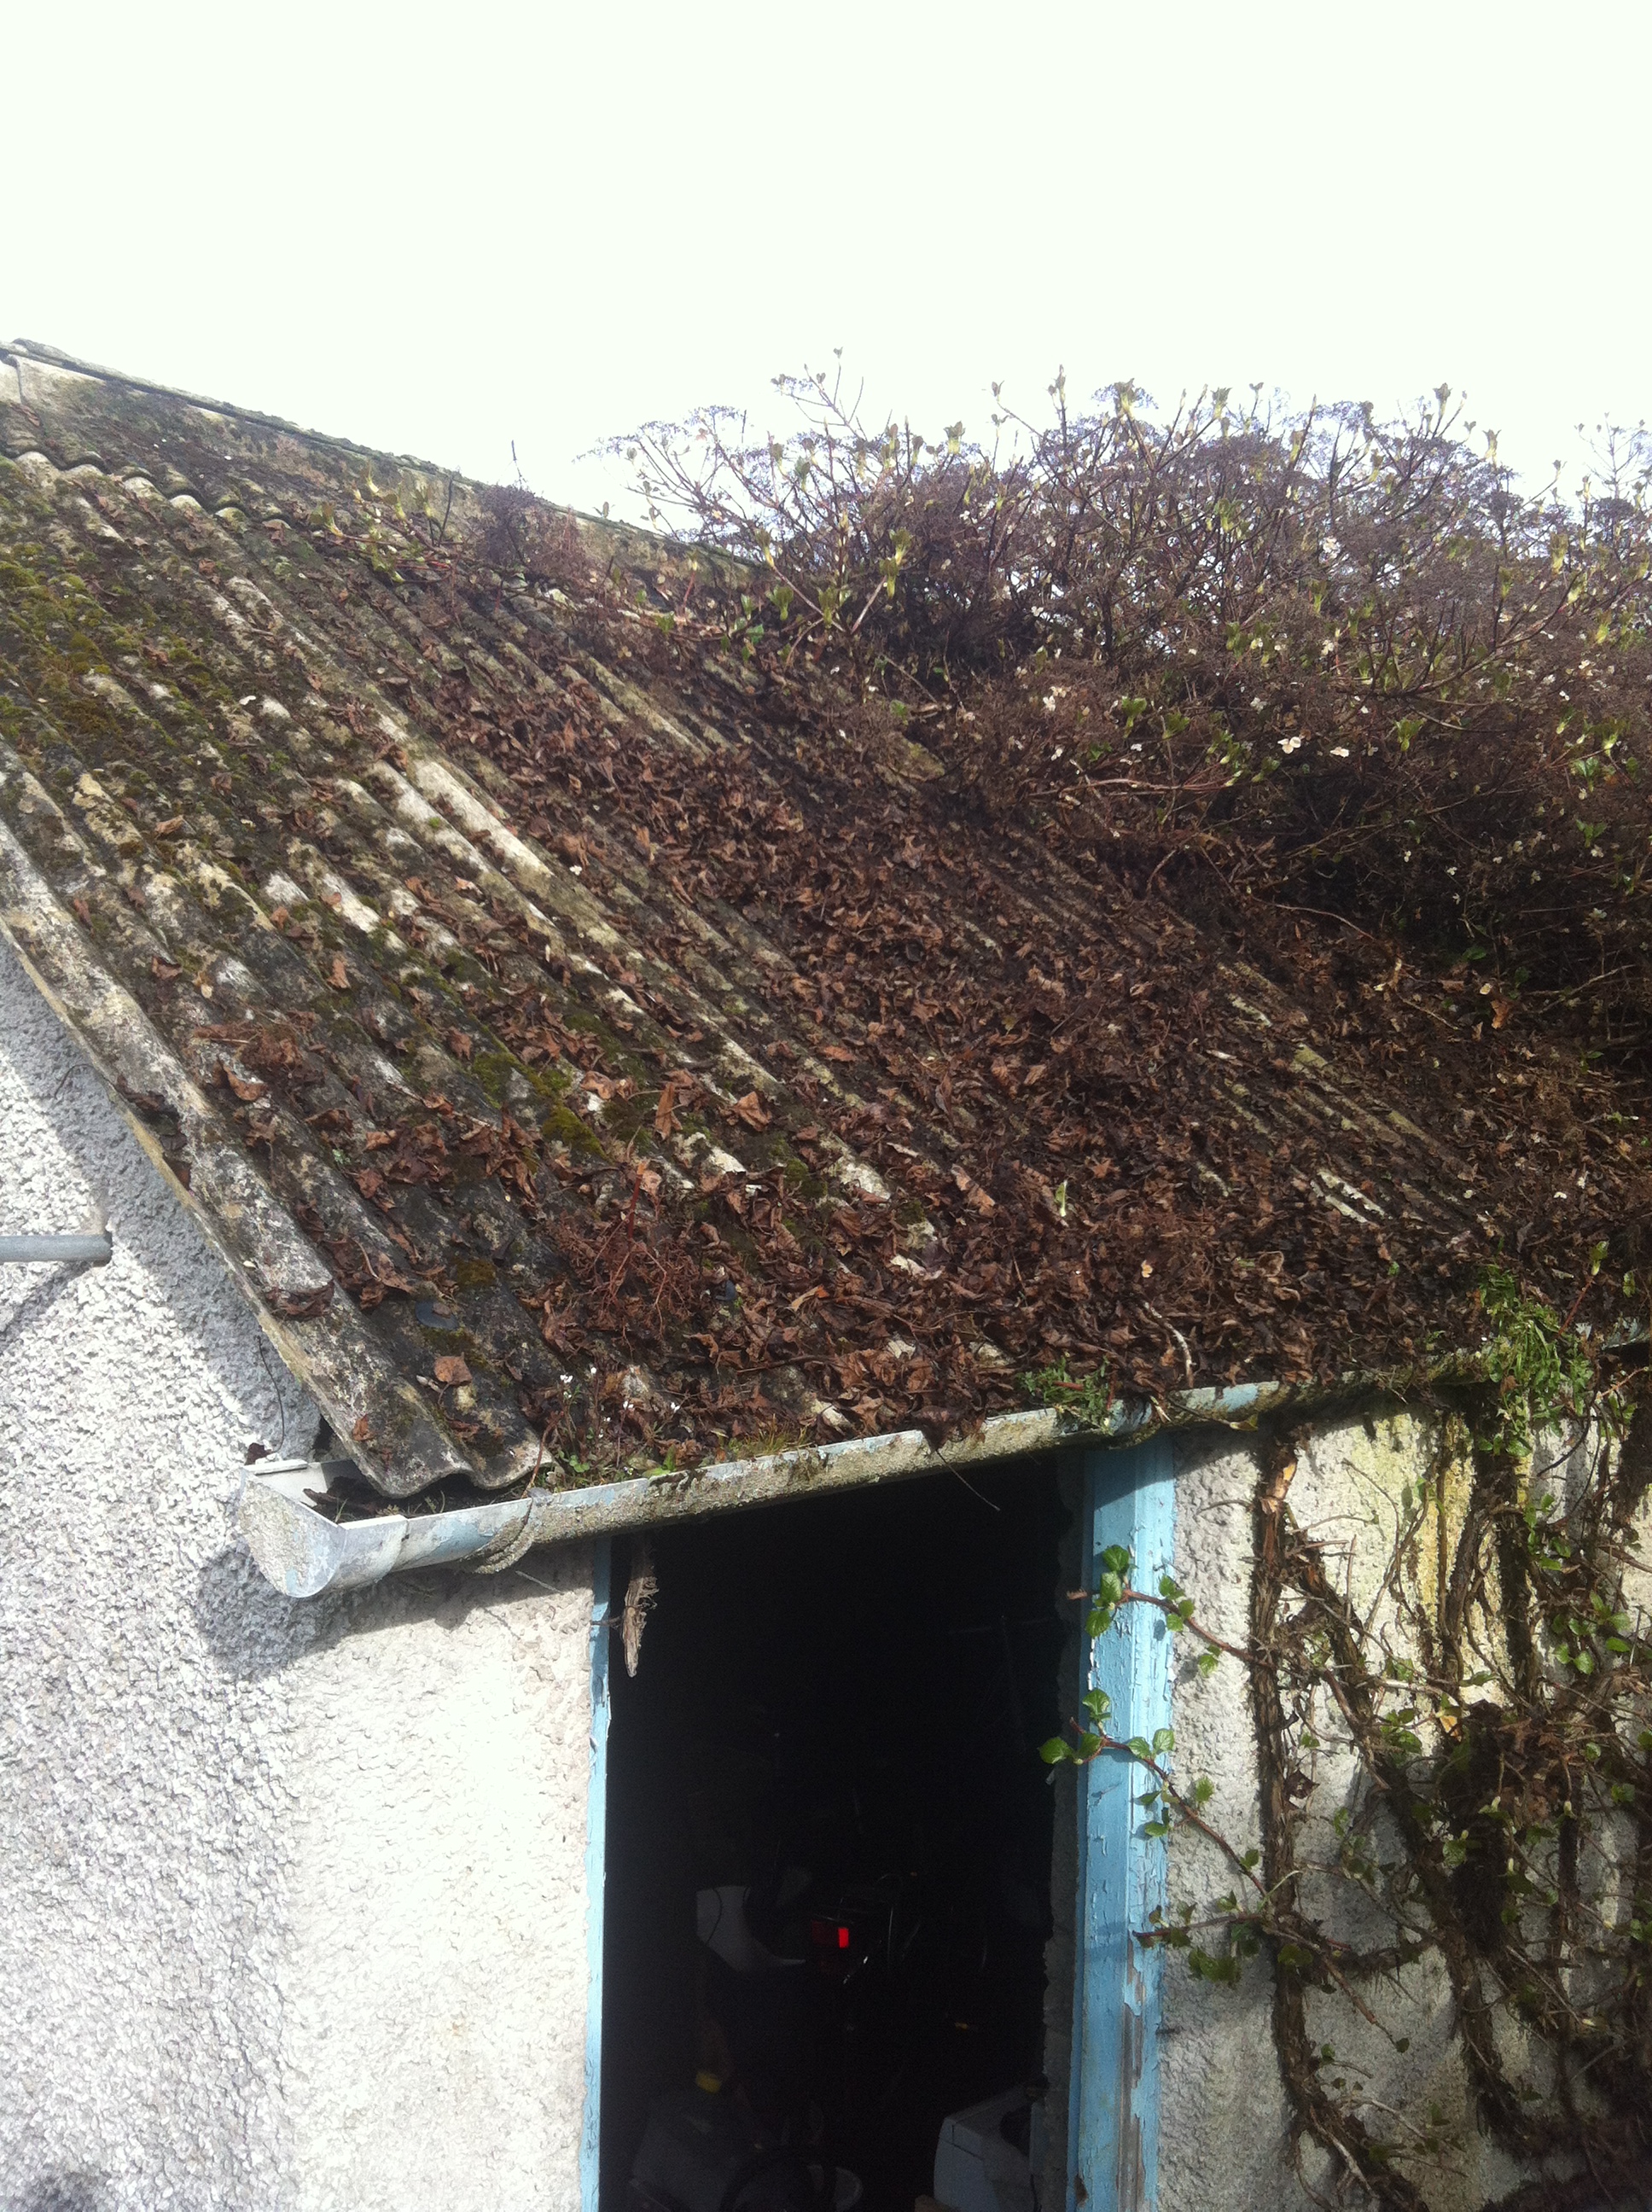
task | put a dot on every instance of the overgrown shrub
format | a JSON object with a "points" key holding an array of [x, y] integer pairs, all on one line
{"points": [[1348, 665], [520, 536]]}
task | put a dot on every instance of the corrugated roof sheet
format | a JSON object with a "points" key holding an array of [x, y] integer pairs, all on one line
{"points": [[584, 1055]]}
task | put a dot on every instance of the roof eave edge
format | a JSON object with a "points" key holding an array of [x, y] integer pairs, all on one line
{"points": [[302, 1554]]}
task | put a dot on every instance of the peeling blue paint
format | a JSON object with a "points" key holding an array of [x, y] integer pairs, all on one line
{"points": [[1238, 1403], [596, 1866], [1112, 2119]]}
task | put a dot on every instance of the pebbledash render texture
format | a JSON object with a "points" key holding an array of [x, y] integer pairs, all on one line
{"points": [[292, 1897], [520, 1065]]}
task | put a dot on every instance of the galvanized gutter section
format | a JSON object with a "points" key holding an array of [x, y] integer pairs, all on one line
{"points": [[302, 1552]]}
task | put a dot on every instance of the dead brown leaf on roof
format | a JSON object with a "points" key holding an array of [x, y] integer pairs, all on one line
{"points": [[981, 1201], [386, 1277], [673, 1091], [246, 1088], [607, 1086]]}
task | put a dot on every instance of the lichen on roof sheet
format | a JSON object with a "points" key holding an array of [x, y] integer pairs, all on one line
{"points": [[588, 1051]]}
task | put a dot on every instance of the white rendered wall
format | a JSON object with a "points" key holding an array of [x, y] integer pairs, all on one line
{"points": [[292, 1897]]}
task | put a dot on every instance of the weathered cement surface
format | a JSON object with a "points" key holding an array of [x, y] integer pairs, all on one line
{"points": [[291, 1899], [1224, 2145]]}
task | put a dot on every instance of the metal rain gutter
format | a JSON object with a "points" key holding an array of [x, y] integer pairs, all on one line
{"points": [[303, 1552]]}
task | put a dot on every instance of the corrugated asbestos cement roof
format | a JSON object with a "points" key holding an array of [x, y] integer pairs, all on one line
{"points": [[585, 1059]]}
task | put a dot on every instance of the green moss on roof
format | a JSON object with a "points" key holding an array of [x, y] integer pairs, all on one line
{"points": [[507, 978]]}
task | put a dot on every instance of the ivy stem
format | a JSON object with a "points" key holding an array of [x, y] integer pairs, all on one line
{"points": [[1128, 1596], [1236, 1859]]}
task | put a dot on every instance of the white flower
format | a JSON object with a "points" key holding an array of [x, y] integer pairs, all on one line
{"points": [[1339, 752], [1289, 745]]}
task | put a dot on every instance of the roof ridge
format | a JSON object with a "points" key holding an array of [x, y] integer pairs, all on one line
{"points": [[37, 350]]}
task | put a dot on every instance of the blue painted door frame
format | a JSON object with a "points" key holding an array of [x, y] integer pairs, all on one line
{"points": [[1129, 1498]]}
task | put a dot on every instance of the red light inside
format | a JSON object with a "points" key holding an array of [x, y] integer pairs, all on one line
{"points": [[842, 1939]]}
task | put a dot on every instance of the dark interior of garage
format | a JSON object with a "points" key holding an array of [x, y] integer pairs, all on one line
{"points": [[826, 1767]]}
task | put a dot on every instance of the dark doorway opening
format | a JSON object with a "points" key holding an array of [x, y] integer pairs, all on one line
{"points": [[835, 1717]]}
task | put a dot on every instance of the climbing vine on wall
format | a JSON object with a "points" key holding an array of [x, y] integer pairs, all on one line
{"points": [[1455, 1779]]}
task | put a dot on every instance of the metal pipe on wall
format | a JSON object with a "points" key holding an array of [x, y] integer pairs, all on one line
{"points": [[96, 1245]]}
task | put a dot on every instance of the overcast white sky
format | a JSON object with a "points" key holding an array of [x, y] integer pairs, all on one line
{"points": [[439, 229]]}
